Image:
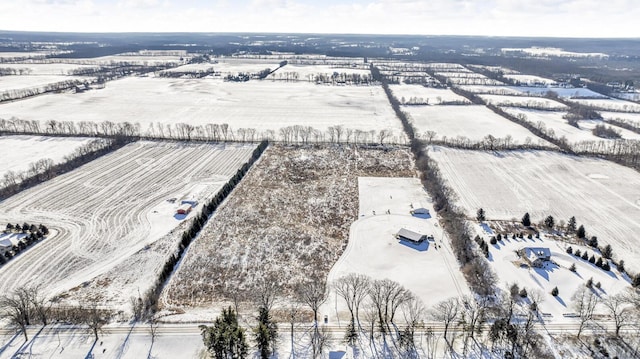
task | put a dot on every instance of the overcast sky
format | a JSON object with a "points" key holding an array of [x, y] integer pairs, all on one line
{"points": [[557, 18]]}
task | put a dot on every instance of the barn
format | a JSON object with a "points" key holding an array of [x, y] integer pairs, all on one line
{"points": [[408, 235], [184, 209]]}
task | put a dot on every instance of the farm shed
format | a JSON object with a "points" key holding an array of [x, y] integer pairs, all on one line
{"points": [[184, 209], [408, 235], [536, 256]]}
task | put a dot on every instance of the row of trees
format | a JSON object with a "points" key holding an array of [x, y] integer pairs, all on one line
{"points": [[209, 132], [474, 267], [147, 305]]}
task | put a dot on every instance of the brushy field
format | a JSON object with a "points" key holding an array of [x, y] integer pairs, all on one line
{"points": [[287, 221]]}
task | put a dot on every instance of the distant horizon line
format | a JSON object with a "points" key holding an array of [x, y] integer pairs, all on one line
{"points": [[41, 32]]}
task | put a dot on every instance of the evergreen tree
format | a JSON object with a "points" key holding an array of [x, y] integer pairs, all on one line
{"points": [[265, 333], [581, 232], [636, 281], [589, 283], [599, 262], [225, 339], [526, 220], [621, 266], [592, 259], [593, 242], [607, 251], [549, 222], [569, 250], [571, 225], [573, 267], [577, 253], [480, 215], [585, 255], [555, 292]]}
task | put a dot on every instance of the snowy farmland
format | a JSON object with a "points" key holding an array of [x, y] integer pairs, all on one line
{"points": [[424, 95], [17, 83], [610, 104], [548, 183], [104, 212], [18, 152], [52, 69], [553, 120], [524, 101], [287, 221], [374, 251], [473, 122], [263, 105]]}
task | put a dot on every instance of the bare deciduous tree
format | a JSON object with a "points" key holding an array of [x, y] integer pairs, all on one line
{"points": [[353, 288], [584, 302], [447, 312]]}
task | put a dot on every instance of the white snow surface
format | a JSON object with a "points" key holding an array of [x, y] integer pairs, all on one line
{"points": [[12, 83], [473, 122], [104, 212], [264, 105], [434, 96], [529, 79], [374, 251], [53, 69], [523, 101], [18, 152], [611, 104], [602, 195], [553, 120], [556, 273]]}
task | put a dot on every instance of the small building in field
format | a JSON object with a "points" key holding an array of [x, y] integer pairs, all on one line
{"points": [[184, 209], [536, 256], [419, 209], [408, 235]]}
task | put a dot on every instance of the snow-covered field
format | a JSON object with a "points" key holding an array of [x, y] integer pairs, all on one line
{"points": [[310, 72], [532, 91], [630, 96], [22, 55], [473, 122], [529, 79], [14, 83], [524, 101], [374, 251], [553, 51], [622, 116], [18, 152], [116, 342], [603, 196], [288, 221], [52, 69], [556, 273], [610, 104], [561, 91], [553, 120], [426, 95], [263, 105], [104, 212]]}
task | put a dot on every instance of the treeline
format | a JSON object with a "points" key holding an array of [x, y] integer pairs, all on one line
{"points": [[474, 267], [150, 300], [18, 94], [43, 170], [562, 143], [211, 132], [194, 74]]}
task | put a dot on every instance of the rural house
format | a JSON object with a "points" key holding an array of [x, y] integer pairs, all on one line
{"points": [[536, 256]]}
